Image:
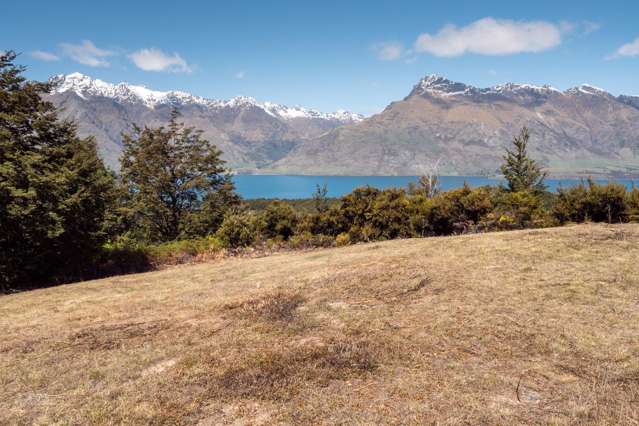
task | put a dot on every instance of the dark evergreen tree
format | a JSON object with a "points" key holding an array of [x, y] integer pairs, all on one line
{"points": [[177, 185], [522, 172], [54, 190]]}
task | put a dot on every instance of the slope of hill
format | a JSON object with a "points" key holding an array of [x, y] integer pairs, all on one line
{"points": [[580, 131], [250, 133], [538, 326]]}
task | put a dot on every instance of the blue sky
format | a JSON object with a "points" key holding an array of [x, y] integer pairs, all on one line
{"points": [[356, 55]]}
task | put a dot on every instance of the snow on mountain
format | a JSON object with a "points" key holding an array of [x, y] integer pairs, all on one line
{"points": [[588, 89], [85, 86], [439, 86]]}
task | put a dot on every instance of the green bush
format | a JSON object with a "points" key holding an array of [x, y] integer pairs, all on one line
{"points": [[278, 220], [456, 211], [181, 251], [238, 229], [366, 214], [607, 203], [325, 223], [517, 210], [355, 210], [591, 201], [390, 216], [307, 240]]}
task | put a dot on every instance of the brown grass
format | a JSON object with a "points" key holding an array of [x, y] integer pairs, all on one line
{"points": [[530, 327]]}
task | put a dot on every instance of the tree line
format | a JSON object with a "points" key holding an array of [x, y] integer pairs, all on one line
{"points": [[65, 217]]}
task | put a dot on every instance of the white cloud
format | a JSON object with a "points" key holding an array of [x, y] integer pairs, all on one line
{"points": [[87, 53], [489, 36], [628, 49], [154, 59], [41, 55], [240, 74], [389, 50]]}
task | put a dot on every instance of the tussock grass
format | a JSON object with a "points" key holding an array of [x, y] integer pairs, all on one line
{"points": [[279, 374], [526, 327], [278, 306]]}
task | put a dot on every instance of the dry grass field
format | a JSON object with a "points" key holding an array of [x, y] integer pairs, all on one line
{"points": [[534, 327]]}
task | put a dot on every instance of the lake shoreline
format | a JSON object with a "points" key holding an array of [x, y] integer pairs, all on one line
{"points": [[294, 187]]}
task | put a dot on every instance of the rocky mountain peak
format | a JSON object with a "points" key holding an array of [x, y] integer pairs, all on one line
{"points": [[438, 85], [87, 87], [434, 85]]}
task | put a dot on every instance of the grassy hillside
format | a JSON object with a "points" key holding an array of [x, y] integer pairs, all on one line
{"points": [[537, 326]]}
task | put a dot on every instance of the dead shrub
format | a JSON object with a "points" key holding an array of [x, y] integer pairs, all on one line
{"points": [[279, 374], [275, 307]]}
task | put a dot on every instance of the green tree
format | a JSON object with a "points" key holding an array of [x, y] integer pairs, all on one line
{"points": [[177, 185], [54, 190], [522, 172]]}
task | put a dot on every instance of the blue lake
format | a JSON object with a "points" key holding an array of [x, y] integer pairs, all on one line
{"points": [[291, 186]]}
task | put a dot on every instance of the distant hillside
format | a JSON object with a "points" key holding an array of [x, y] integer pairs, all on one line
{"points": [[580, 131], [250, 134], [526, 327]]}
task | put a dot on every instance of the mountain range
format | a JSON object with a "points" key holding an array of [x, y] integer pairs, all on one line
{"points": [[464, 129], [250, 134]]}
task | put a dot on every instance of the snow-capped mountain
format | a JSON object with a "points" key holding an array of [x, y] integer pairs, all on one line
{"points": [[576, 132], [436, 85], [251, 134], [85, 87]]}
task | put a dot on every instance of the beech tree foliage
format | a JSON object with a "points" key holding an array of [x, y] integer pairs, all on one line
{"points": [[176, 183]]}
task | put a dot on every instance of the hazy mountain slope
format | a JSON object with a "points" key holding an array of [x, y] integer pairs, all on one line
{"points": [[250, 134], [583, 130]]}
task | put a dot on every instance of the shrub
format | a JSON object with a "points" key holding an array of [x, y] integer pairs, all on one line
{"points": [[181, 251], [570, 204], [591, 201], [342, 239], [356, 209], [390, 216], [326, 223], [279, 220], [517, 210], [366, 214], [238, 229], [307, 240], [455, 211], [607, 203]]}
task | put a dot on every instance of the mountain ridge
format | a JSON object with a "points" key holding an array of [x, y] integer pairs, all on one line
{"points": [[580, 131], [84, 85], [251, 134]]}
